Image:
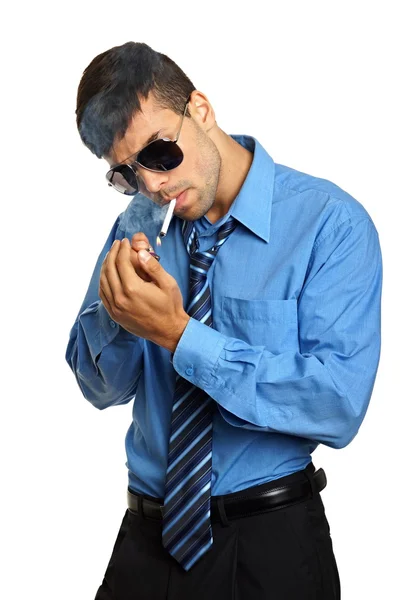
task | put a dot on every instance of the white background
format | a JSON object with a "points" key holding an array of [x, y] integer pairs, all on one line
{"points": [[316, 83]]}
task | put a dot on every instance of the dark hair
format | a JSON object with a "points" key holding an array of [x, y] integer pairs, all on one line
{"points": [[109, 90]]}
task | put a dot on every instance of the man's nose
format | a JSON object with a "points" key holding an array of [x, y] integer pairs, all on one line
{"points": [[153, 181]]}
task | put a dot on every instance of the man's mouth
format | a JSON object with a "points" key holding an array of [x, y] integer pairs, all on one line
{"points": [[168, 200], [180, 199]]}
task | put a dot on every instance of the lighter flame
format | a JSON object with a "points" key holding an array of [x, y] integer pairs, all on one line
{"points": [[158, 241]]}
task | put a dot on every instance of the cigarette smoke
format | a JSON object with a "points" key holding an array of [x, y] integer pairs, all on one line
{"points": [[142, 214]]}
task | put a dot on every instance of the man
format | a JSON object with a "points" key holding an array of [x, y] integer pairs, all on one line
{"points": [[254, 338]]}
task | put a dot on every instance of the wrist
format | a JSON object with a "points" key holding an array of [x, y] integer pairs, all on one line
{"points": [[176, 335]]}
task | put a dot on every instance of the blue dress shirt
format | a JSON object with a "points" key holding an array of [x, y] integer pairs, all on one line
{"points": [[292, 355]]}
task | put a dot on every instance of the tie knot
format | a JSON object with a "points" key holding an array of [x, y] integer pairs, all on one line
{"points": [[191, 237], [226, 228]]}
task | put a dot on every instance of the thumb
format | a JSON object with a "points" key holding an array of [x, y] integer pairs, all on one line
{"points": [[152, 267]]}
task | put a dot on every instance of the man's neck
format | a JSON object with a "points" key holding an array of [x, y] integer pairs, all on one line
{"points": [[235, 165]]}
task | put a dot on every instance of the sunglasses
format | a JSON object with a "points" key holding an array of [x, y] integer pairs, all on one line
{"points": [[158, 156]]}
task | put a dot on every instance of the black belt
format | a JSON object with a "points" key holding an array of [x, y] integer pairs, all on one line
{"points": [[235, 506]]}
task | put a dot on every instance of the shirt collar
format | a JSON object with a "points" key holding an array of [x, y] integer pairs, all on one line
{"points": [[252, 205]]}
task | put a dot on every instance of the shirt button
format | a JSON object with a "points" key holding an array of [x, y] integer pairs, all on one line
{"points": [[189, 371], [112, 323]]}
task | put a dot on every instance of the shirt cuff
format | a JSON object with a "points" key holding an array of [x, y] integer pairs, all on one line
{"points": [[106, 329], [197, 353]]}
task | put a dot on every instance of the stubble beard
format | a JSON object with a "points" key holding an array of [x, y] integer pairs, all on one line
{"points": [[210, 168]]}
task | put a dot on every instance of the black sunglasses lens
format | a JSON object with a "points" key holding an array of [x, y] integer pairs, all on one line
{"points": [[160, 155], [123, 179]]}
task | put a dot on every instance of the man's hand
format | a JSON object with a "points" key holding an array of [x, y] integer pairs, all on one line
{"points": [[150, 309], [139, 242]]}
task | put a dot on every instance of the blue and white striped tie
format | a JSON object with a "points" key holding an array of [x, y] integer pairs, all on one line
{"points": [[187, 532]]}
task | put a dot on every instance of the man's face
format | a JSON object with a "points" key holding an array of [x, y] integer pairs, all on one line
{"points": [[197, 175]]}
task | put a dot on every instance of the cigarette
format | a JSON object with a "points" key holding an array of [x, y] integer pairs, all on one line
{"points": [[168, 218]]}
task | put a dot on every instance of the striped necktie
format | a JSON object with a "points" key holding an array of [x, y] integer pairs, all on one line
{"points": [[186, 528]]}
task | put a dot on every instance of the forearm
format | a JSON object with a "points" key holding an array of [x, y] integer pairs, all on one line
{"points": [[290, 393], [105, 359]]}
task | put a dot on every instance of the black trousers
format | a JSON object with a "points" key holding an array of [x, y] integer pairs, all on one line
{"points": [[283, 554]]}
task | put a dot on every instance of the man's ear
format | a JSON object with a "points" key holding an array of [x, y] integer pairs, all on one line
{"points": [[201, 110]]}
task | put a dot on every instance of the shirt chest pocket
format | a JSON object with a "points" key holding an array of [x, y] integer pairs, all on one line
{"points": [[269, 323]]}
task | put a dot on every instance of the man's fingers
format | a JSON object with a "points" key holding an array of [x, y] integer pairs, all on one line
{"points": [[105, 290], [128, 278], [110, 281], [106, 303], [140, 241], [137, 265], [153, 268]]}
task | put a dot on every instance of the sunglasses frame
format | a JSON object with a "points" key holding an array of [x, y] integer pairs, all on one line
{"points": [[137, 161]]}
